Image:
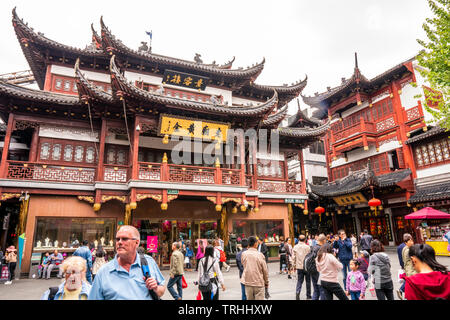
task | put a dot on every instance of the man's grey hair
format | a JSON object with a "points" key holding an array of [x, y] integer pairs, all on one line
{"points": [[407, 237], [322, 238], [135, 231]]}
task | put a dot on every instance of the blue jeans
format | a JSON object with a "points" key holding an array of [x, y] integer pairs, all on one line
{"points": [[244, 296], [302, 275], [345, 269], [355, 295], [402, 288], [316, 286], [172, 282]]}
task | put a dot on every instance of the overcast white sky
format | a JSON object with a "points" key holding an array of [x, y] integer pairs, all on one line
{"points": [[313, 37]]}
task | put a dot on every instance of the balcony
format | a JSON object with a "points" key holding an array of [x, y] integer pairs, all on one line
{"points": [[359, 128], [121, 174], [19, 170]]}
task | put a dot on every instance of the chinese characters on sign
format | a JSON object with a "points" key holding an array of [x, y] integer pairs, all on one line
{"points": [[194, 128], [388, 227], [184, 80], [353, 198], [152, 243]]}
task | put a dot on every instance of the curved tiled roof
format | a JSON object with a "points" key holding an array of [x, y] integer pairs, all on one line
{"points": [[276, 118], [88, 90], [301, 116], [120, 83], [23, 93], [359, 180], [113, 45], [431, 193], [305, 132], [436, 130]]}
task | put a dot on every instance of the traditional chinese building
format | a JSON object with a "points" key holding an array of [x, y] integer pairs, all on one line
{"points": [[366, 150], [99, 138]]}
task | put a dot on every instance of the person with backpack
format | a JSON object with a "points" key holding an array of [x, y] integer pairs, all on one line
{"points": [[220, 255], [363, 262], [329, 267], [255, 277], [209, 275], [74, 286], [86, 253], [129, 276], [310, 265], [282, 252], [300, 251], [432, 280]]}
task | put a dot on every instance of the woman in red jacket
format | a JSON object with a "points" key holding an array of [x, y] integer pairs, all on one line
{"points": [[432, 280]]}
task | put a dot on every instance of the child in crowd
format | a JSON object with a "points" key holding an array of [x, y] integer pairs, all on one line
{"points": [[363, 261], [356, 285]]}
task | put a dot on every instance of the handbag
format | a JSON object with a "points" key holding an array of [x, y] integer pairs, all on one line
{"points": [[184, 284], [399, 273]]}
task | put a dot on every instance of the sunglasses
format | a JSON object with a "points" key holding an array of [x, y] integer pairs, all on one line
{"points": [[125, 239]]}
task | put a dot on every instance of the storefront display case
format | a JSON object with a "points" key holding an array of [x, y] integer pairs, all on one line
{"points": [[432, 232]]}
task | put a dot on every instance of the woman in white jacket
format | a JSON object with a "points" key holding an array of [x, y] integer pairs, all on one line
{"points": [[211, 265]]}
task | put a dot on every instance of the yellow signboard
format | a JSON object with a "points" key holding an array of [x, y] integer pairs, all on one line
{"points": [[194, 128], [353, 198]]}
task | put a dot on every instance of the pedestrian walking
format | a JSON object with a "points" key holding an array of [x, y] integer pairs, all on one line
{"points": [[220, 255], [447, 238], [99, 261], [200, 252], [354, 246], [406, 237], [329, 267], [11, 260], [128, 276], [255, 276], [282, 252], [188, 256], [366, 240], [432, 280], [176, 271], [209, 275], [262, 247], [289, 257], [244, 243], [363, 262], [55, 262], [86, 253], [408, 267], [300, 251], [380, 269], [356, 284], [310, 265], [343, 247], [74, 286]]}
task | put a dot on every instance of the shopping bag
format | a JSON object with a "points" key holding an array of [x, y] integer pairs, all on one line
{"points": [[371, 286], [199, 295], [183, 282], [399, 279], [5, 273]]}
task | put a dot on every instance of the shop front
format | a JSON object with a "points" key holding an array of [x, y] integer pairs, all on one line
{"points": [[378, 224]]}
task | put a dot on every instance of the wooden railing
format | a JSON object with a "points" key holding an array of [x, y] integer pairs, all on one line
{"points": [[115, 173], [191, 174], [289, 186], [149, 171], [231, 176], [20, 170], [362, 126]]}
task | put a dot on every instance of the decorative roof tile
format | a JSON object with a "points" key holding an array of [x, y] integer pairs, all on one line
{"points": [[431, 193]]}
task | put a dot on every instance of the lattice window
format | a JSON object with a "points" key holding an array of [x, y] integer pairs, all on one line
{"points": [[58, 84], [419, 158], [90, 154], [432, 152], [45, 151], [401, 160], [67, 85], [56, 152], [111, 156], [79, 153], [121, 157], [68, 152]]}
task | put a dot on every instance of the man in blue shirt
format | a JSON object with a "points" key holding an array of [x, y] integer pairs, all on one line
{"points": [[344, 247], [55, 261], [122, 278], [86, 254]]}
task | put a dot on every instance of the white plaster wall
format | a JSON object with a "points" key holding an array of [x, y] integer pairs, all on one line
{"points": [[433, 171], [68, 133], [69, 72], [237, 100], [360, 153], [134, 76]]}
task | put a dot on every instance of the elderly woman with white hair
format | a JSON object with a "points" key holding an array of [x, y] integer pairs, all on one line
{"points": [[75, 285]]}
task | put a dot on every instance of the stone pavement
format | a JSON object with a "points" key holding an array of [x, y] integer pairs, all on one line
{"points": [[280, 288]]}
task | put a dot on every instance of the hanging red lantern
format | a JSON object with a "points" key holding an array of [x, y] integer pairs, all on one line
{"points": [[319, 210], [374, 202]]}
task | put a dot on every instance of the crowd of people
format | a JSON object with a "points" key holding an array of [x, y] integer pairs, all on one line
{"points": [[317, 260]]}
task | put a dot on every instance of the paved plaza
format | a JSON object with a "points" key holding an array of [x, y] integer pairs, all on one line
{"points": [[280, 288]]}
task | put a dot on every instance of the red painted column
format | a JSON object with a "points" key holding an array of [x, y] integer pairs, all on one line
{"points": [[34, 145], [101, 153], [48, 79], [135, 150], [9, 130], [242, 157], [398, 109]]}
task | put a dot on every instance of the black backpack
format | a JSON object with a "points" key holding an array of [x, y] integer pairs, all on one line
{"points": [[52, 294], [309, 264], [204, 283]]}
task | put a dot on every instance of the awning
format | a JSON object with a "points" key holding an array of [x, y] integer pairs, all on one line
{"points": [[428, 213]]}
